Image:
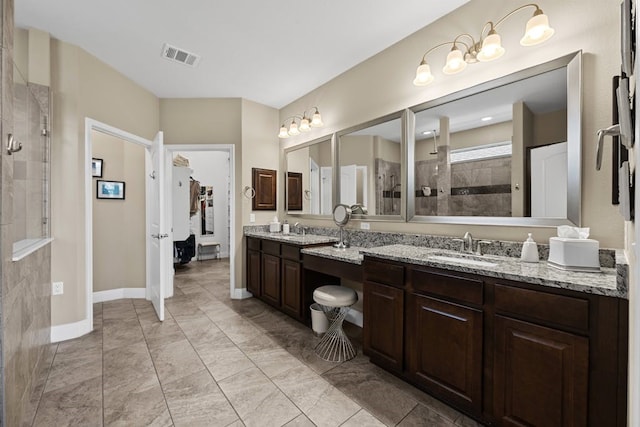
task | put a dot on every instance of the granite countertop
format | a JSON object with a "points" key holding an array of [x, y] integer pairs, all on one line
{"points": [[606, 282], [351, 255], [296, 239]]}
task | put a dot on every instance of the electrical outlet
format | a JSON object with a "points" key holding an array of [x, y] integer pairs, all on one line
{"points": [[252, 217], [364, 226], [57, 288]]}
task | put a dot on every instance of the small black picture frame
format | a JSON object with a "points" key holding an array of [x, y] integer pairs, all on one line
{"points": [[96, 168], [110, 190]]}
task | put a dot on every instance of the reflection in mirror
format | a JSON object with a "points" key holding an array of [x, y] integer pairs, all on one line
{"points": [[310, 178], [370, 162], [206, 210], [501, 152]]}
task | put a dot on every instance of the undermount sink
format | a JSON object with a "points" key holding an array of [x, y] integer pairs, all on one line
{"points": [[468, 259]]}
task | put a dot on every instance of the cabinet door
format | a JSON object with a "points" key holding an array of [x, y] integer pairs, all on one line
{"points": [[271, 279], [540, 375], [291, 288], [384, 325], [444, 349], [254, 272]]}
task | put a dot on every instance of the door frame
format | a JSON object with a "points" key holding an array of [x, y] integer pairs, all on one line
{"points": [[230, 149], [91, 125]]}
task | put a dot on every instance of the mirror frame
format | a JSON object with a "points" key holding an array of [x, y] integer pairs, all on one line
{"points": [[332, 138], [403, 115], [573, 63]]}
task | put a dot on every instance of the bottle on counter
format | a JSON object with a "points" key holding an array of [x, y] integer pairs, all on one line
{"points": [[529, 250], [285, 227]]}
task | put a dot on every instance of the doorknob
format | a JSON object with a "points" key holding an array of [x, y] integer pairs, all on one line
{"points": [[159, 236]]}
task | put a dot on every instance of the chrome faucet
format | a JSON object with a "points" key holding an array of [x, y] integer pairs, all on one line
{"points": [[467, 242], [295, 228]]}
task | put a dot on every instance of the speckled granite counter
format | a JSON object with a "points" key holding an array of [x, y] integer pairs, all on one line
{"points": [[604, 283], [295, 239], [351, 255]]}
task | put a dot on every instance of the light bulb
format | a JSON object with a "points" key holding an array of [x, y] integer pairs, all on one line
{"points": [[304, 125], [423, 75], [316, 120], [293, 129], [283, 132], [491, 47], [455, 62], [537, 30]]}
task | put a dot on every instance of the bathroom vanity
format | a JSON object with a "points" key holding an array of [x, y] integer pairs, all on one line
{"points": [[506, 342]]}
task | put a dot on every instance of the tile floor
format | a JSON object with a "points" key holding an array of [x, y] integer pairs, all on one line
{"points": [[216, 362]]}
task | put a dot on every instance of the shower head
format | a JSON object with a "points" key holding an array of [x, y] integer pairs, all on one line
{"points": [[435, 146]]}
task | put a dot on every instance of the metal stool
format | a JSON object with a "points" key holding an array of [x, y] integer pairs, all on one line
{"points": [[335, 302]]}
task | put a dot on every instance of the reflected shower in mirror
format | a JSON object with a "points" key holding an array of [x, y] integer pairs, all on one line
{"points": [[370, 166], [310, 178], [502, 151]]}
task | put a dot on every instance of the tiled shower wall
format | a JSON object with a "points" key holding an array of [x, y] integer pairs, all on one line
{"points": [[25, 298], [478, 188], [387, 187]]}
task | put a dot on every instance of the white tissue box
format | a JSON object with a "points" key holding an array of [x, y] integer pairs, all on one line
{"points": [[574, 254], [274, 227]]}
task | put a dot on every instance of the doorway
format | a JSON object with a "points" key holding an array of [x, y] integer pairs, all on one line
{"points": [[154, 223], [212, 165]]}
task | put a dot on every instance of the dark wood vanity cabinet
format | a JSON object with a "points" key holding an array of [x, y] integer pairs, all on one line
{"points": [[445, 336], [254, 266], [506, 353], [383, 301], [270, 289]]}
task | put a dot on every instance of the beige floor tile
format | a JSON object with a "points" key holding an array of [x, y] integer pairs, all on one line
{"points": [[268, 356], [238, 329], [73, 405], [73, 368], [422, 415], [222, 357], [196, 400], [140, 406], [175, 360], [127, 368], [267, 405], [120, 333], [300, 421], [363, 419]]}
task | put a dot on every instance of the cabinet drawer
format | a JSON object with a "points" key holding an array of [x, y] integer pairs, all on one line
{"points": [[448, 286], [558, 310], [290, 252], [386, 273], [253, 244], [269, 247]]}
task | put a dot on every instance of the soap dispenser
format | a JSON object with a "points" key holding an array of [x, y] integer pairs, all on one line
{"points": [[529, 250]]}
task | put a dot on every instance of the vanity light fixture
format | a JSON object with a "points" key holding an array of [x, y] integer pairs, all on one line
{"points": [[487, 48], [306, 123]]}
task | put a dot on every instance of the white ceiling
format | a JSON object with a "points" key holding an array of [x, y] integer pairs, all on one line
{"points": [[271, 52]]}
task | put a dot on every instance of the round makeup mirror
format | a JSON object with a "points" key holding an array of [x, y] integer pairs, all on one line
{"points": [[341, 216]]}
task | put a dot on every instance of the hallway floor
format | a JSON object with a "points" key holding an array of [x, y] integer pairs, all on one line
{"points": [[217, 362]]}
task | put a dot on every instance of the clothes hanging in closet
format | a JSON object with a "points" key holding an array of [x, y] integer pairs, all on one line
{"points": [[194, 191]]}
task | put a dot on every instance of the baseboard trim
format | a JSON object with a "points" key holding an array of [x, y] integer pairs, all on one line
{"points": [[355, 317], [241, 293], [120, 293], [69, 331]]}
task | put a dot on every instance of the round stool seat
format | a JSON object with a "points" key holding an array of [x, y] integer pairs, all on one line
{"points": [[335, 296]]}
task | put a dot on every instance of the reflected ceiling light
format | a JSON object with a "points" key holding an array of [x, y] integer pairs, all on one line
{"points": [[486, 119], [487, 48], [306, 124]]}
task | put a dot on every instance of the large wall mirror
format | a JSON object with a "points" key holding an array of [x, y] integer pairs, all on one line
{"points": [[371, 168], [310, 178], [504, 152]]}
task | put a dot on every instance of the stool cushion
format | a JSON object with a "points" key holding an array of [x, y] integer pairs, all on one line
{"points": [[335, 296]]}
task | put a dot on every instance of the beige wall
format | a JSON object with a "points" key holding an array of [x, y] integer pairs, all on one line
{"points": [[82, 86], [383, 84], [119, 245]]}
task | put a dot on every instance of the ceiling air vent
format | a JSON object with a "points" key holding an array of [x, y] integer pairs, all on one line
{"points": [[179, 55]]}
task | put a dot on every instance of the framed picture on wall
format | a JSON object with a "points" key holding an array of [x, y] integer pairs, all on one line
{"points": [[96, 168], [110, 190]]}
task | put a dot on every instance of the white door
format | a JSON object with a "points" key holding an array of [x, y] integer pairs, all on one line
{"points": [[314, 186], [326, 183], [348, 185], [157, 238], [549, 181]]}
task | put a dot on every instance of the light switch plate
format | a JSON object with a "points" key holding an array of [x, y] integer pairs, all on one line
{"points": [[252, 217]]}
